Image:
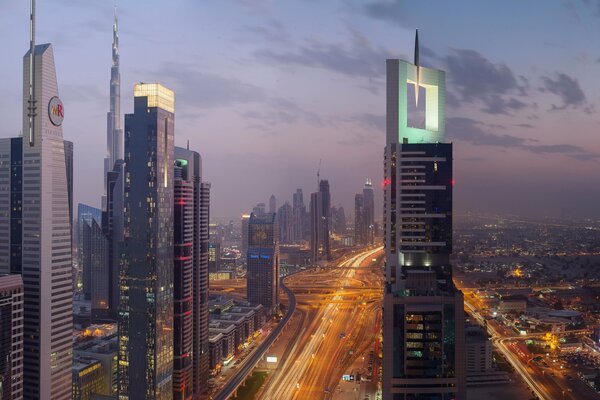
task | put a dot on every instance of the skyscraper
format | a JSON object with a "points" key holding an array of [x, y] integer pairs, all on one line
{"points": [[360, 233], [146, 276], [299, 217], [191, 250], [11, 334], [284, 222], [113, 219], [85, 216], [244, 229], [272, 204], [263, 262], [114, 133], [423, 317], [38, 230], [183, 234], [320, 216], [369, 212]]}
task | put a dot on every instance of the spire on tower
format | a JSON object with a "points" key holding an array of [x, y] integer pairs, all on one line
{"points": [[417, 83]]}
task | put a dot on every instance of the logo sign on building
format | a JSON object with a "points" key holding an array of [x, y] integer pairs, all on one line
{"points": [[56, 111], [271, 359]]}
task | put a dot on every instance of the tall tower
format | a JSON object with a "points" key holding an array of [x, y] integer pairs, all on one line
{"points": [[423, 317], [192, 198], [145, 321], [263, 261], [369, 212], [114, 133]]}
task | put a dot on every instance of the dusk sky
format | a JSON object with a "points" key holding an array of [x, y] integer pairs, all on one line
{"points": [[265, 89]]}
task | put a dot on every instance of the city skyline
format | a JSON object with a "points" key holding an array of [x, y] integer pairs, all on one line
{"points": [[503, 103]]}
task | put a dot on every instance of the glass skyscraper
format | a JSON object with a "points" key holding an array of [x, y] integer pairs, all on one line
{"points": [[146, 275], [423, 318]]}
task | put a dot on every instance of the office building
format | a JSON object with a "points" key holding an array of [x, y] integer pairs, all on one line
{"points": [[146, 277], [11, 337], [338, 220], [285, 224], [423, 317], [114, 133], [36, 229], [259, 209], [369, 212], [272, 204], [113, 219], [88, 378], [262, 277], [85, 216], [320, 223], [360, 231]]}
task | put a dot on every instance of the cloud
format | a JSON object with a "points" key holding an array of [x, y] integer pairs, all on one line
{"points": [[372, 121], [389, 10], [272, 31], [202, 89], [474, 132], [566, 88], [476, 79], [358, 59], [278, 111]]}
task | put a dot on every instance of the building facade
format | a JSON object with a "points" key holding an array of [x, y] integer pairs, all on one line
{"points": [[423, 318], [35, 230], [262, 276], [360, 232], [86, 215], [192, 208], [369, 212], [11, 337], [320, 223], [146, 275]]}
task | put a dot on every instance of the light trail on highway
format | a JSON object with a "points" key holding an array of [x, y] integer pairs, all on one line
{"points": [[320, 354]]}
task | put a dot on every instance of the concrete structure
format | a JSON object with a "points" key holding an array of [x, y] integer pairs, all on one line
{"points": [[11, 337], [146, 276], [478, 351], [423, 317], [263, 262], [105, 351], [35, 229], [512, 303], [114, 133], [192, 197]]}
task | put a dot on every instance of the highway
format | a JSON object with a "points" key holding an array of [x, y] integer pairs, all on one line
{"points": [[342, 305], [249, 364]]}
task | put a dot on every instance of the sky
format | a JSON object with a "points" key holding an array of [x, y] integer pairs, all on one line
{"points": [[268, 90]]}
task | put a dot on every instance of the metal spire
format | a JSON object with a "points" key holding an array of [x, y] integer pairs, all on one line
{"points": [[31, 108], [417, 84]]}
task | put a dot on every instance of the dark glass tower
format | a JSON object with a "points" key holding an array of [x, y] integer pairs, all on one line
{"points": [[423, 318], [263, 261], [146, 276]]}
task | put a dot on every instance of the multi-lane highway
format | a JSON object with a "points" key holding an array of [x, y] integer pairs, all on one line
{"points": [[342, 305]]}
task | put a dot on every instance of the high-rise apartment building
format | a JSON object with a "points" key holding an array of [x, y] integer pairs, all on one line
{"points": [[423, 317], [11, 337], [191, 352], [320, 226], [146, 276], [262, 283], [35, 231]]}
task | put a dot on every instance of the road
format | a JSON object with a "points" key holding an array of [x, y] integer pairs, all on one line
{"points": [[342, 305], [255, 357]]}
